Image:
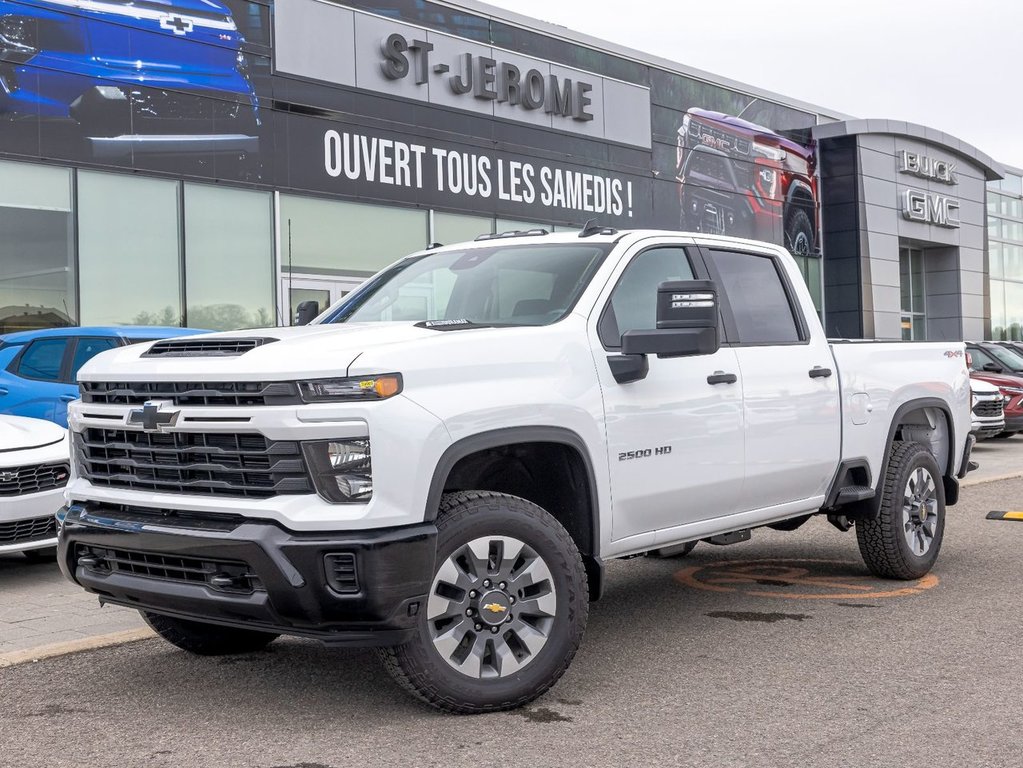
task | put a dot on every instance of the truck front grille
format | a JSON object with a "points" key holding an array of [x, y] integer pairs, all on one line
{"points": [[17, 481], [216, 464], [25, 531], [218, 393], [223, 575], [986, 408]]}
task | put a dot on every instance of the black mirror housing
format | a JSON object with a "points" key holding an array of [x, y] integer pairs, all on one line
{"points": [[687, 322], [306, 311]]}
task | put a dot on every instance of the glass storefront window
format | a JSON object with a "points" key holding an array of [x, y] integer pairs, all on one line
{"points": [[997, 310], [129, 250], [334, 237], [451, 228], [1014, 311], [912, 290], [229, 265], [510, 225], [994, 250], [37, 282]]}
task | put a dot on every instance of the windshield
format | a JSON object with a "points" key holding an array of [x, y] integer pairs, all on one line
{"points": [[499, 285], [1008, 358]]}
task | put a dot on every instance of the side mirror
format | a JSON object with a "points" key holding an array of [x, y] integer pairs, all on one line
{"points": [[687, 325], [687, 322], [306, 311], [992, 367]]}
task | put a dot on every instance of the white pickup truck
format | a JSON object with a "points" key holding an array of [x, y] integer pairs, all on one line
{"points": [[441, 463]]}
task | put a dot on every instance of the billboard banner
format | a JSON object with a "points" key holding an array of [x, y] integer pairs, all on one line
{"points": [[403, 102]]}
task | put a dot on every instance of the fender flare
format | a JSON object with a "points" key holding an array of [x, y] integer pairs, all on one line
{"points": [[497, 438], [869, 509]]}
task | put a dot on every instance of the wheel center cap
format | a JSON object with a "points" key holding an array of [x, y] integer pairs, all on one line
{"points": [[494, 607]]}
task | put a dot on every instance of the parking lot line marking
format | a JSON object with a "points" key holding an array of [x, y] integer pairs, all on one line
{"points": [[41, 652], [1011, 515]]}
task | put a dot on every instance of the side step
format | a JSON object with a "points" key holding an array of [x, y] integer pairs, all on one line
{"points": [[730, 538], [852, 493]]}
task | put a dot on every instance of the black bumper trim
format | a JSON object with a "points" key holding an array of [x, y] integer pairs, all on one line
{"points": [[395, 567]]}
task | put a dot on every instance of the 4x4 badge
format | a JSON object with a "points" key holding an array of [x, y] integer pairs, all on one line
{"points": [[152, 417]]}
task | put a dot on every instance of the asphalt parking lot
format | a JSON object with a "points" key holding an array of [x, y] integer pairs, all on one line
{"points": [[779, 651]]}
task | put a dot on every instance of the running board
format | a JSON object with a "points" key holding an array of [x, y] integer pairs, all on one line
{"points": [[854, 493]]}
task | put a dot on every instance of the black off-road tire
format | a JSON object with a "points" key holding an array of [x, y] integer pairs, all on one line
{"points": [[418, 665], [45, 555], [799, 232], [674, 552], [205, 639], [882, 541]]}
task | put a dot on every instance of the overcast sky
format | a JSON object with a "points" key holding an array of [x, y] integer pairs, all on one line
{"points": [[954, 65]]}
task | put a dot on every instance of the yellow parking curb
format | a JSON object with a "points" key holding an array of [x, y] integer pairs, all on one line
{"points": [[14, 658], [1005, 516]]}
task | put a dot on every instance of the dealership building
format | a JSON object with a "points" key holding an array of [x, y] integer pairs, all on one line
{"points": [[213, 163]]}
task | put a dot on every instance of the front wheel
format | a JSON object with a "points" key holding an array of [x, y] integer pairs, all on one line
{"points": [[904, 540], [205, 639], [506, 609]]}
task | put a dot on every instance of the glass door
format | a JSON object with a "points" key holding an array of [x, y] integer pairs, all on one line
{"points": [[323, 290], [912, 283]]}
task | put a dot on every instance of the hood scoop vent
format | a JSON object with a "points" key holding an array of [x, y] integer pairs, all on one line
{"points": [[198, 347]]}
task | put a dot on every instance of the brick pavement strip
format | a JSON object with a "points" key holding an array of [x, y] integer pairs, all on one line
{"points": [[42, 614]]}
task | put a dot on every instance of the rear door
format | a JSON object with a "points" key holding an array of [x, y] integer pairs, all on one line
{"points": [[675, 439], [791, 406], [37, 380]]}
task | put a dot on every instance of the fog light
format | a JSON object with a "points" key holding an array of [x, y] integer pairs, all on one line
{"points": [[355, 487]]}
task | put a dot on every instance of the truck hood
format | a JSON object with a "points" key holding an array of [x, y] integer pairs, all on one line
{"points": [[998, 379], [750, 130], [18, 433], [311, 351]]}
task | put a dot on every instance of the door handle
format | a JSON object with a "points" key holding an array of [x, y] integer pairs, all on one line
{"points": [[3, 390], [720, 377], [817, 372]]}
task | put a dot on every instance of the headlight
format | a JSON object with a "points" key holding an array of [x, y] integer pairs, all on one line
{"points": [[771, 153], [355, 388], [342, 469]]}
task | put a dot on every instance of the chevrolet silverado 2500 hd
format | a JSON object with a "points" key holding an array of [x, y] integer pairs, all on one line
{"points": [[441, 463]]}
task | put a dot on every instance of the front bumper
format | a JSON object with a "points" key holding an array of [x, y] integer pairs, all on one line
{"points": [[122, 147], [179, 565], [27, 522]]}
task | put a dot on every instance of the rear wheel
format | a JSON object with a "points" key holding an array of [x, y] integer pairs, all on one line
{"points": [[904, 540], [207, 639], [506, 610]]}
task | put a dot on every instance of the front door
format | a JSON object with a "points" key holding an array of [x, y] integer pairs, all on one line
{"points": [[675, 438]]}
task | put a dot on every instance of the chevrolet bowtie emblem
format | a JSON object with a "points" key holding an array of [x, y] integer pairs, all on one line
{"points": [[494, 608], [152, 417]]}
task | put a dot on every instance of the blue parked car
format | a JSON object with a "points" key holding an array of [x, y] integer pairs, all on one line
{"points": [[38, 368], [161, 77]]}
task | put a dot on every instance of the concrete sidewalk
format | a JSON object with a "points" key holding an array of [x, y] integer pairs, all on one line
{"points": [[43, 614], [39, 607]]}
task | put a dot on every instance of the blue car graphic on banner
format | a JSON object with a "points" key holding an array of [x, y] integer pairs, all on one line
{"points": [[131, 77]]}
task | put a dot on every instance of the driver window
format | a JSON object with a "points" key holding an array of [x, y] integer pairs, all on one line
{"points": [[633, 304]]}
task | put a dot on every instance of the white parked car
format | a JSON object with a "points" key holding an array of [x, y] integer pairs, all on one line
{"points": [[34, 468], [987, 410]]}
